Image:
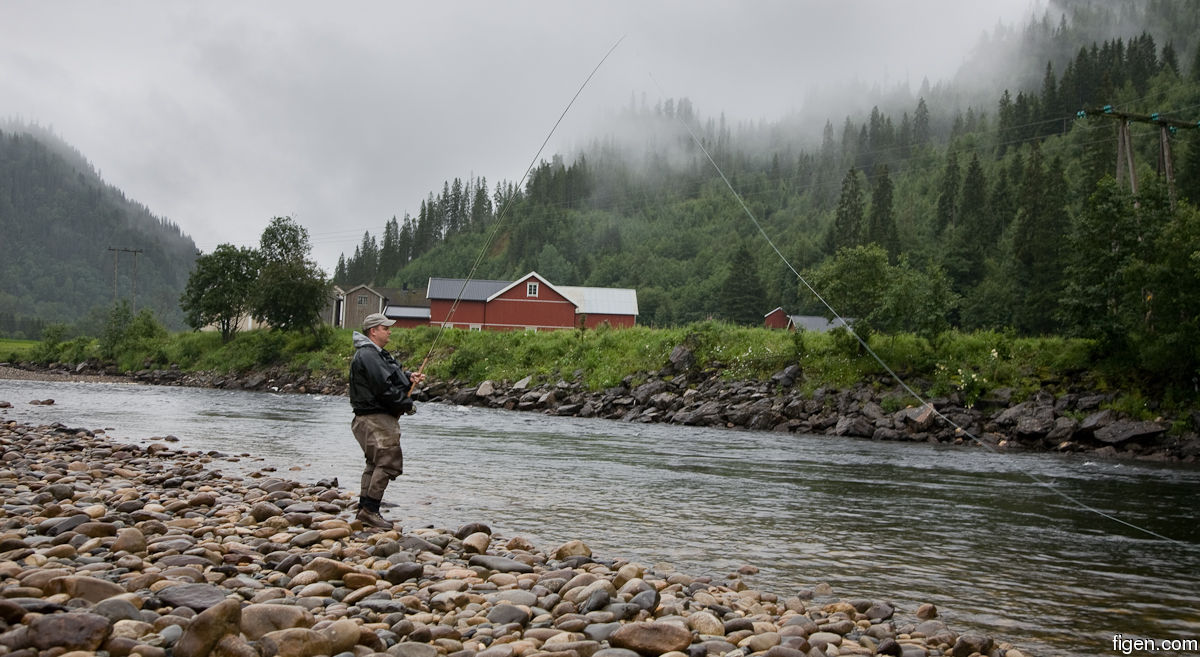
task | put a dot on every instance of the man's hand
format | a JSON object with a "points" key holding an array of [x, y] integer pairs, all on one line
{"points": [[417, 377]]}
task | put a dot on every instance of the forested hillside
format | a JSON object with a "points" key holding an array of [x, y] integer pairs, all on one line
{"points": [[58, 225], [945, 211]]}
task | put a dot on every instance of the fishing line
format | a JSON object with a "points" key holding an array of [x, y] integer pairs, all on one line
{"points": [[924, 404], [504, 210]]}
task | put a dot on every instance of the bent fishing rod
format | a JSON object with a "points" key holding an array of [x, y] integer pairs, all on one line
{"points": [[508, 201]]}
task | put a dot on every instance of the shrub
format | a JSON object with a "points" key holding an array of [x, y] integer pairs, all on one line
{"points": [[47, 350], [470, 362], [188, 349], [904, 352], [248, 350], [78, 350]]}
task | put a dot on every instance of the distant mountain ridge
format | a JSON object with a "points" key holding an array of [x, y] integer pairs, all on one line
{"points": [[70, 243]]}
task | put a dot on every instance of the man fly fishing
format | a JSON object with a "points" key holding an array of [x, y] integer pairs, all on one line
{"points": [[379, 394]]}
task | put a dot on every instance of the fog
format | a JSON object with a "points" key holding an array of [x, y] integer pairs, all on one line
{"points": [[221, 115]]}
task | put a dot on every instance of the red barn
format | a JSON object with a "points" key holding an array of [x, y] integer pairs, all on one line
{"points": [[530, 303], [778, 319]]}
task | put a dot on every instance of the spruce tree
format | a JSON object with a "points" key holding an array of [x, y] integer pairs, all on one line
{"points": [[481, 205], [742, 297], [1038, 233], [921, 131], [847, 228], [339, 273], [1006, 122], [1051, 104], [881, 224], [975, 235], [1170, 60], [369, 259], [973, 209], [389, 252], [948, 197]]}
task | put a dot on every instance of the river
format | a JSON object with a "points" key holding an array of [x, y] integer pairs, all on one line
{"points": [[991, 539]]}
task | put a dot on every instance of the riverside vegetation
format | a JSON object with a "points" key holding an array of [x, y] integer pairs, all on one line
{"points": [[1036, 393]]}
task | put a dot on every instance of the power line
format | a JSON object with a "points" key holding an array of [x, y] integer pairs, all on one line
{"points": [[1166, 127]]}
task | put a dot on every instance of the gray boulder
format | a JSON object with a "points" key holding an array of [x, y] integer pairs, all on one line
{"points": [[1123, 431]]}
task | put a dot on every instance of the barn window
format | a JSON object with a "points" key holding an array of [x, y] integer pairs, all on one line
{"points": [[531, 289], [362, 299]]}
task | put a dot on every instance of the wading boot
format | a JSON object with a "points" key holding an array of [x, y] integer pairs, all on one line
{"points": [[372, 519], [368, 513]]}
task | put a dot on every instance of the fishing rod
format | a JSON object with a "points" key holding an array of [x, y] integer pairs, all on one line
{"points": [[896, 377], [504, 211]]}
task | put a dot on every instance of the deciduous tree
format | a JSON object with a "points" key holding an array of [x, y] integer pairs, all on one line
{"points": [[860, 284], [291, 289], [218, 291]]}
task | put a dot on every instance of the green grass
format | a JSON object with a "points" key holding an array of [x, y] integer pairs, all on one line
{"points": [[16, 350]]}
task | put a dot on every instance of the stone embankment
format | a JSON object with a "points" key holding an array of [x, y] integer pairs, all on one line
{"points": [[111, 549], [683, 393]]}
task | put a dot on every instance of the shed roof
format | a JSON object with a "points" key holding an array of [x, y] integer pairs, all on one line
{"points": [[816, 322], [476, 290], [406, 312], [602, 300], [363, 286]]}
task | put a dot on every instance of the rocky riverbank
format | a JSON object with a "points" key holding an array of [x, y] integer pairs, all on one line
{"points": [[682, 392], [119, 549]]}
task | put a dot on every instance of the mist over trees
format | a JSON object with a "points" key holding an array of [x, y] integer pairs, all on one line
{"points": [[75, 245], [986, 210]]}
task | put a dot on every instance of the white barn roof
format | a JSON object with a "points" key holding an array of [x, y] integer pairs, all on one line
{"points": [[602, 300]]}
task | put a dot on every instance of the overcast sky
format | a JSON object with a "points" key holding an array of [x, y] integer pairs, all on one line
{"points": [[220, 115]]}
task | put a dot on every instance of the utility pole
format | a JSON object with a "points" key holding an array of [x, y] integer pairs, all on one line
{"points": [[116, 255], [1166, 128]]}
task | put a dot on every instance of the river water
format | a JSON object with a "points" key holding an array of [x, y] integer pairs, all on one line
{"points": [[991, 539]]}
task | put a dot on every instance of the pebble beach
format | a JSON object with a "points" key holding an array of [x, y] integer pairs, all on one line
{"points": [[118, 549]]}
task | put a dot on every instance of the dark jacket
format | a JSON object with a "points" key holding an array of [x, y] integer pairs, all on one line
{"points": [[378, 384]]}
